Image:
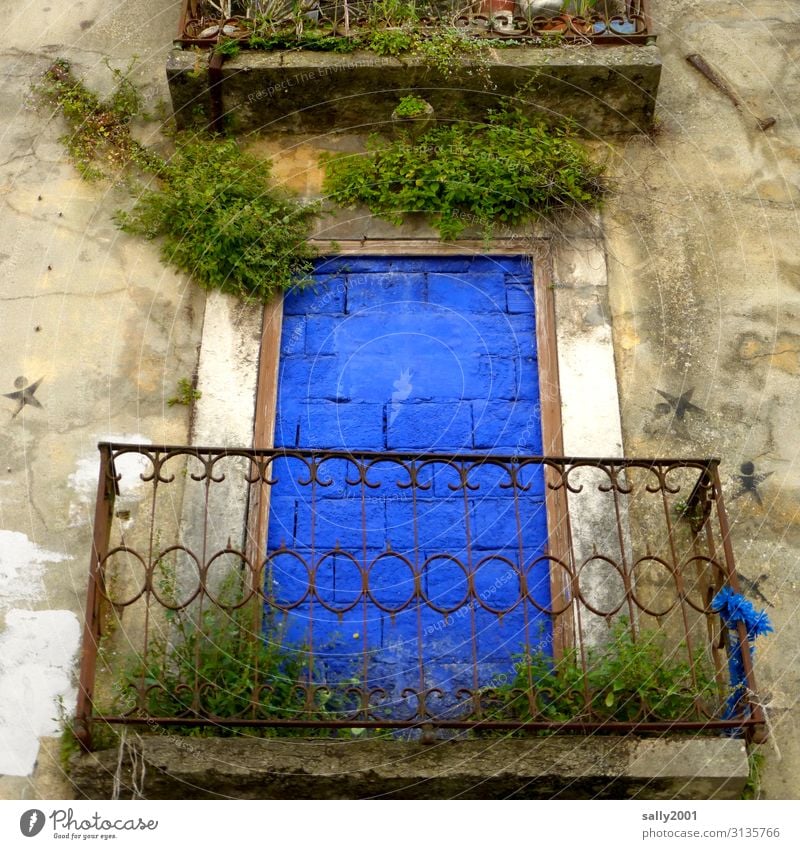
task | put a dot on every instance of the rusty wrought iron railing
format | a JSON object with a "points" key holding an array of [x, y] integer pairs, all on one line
{"points": [[408, 592], [607, 22]]}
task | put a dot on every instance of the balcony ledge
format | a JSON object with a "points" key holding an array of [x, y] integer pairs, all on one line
{"points": [[604, 90], [542, 768]]}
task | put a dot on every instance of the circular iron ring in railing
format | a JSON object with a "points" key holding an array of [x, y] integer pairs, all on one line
{"points": [[481, 599], [718, 573], [385, 606], [640, 564], [344, 558], [272, 596], [105, 586], [570, 585], [212, 596], [615, 567], [425, 594], [170, 582]]}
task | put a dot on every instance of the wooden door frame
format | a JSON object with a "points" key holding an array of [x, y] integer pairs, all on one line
{"points": [[539, 251]]}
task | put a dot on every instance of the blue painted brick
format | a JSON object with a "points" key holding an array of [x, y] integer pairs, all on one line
{"points": [[431, 427], [395, 291], [288, 473], [325, 295], [283, 510], [289, 577], [322, 334], [492, 378], [465, 294], [512, 428], [528, 380], [293, 335], [519, 274], [501, 334], [440, 525], [338, 641], [445, 580], [496, 523], [519, 298], [334, 478], [496, 580], [446, 637], [505, 264], [311, 378], [351, 264], [338, 579], [346, 427], [445, 478], [431, 264], [339, 520], [500, 638]]}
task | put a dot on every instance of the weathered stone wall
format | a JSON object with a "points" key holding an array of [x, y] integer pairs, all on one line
{"points": [[704, 286], [605, 91]]}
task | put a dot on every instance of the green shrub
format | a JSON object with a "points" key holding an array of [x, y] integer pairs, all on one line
{"points": [[624, 680], [505, 171], [220, 219], [222, 222]]}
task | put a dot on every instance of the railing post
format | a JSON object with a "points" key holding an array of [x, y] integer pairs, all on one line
{"points": [[104, 509], [757, 728]]}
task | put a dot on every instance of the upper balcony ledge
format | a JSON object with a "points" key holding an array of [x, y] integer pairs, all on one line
{"points": [[604, 81]]}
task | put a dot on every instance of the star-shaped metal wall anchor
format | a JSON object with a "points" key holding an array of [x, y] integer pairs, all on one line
{"points": [[754, 588], [680, 405], [749, 481], [24, 394]]}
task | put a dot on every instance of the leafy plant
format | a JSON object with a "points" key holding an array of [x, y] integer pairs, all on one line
{"points": [[446, 50], [392, 13], [390, 42], [623, 681], [755, 762], [228, 47], [220, 219], [186, 394], [507, 170], [410, 107], [215, 662], [99, 136], [222, 222]]}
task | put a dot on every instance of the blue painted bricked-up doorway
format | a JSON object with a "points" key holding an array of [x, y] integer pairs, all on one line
{"points": [[410, 583]]}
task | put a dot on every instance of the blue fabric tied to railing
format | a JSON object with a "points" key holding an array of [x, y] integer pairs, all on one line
{"points": [[733, 608]]}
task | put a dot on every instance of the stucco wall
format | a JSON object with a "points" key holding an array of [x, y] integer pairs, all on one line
{"points": [[704, 285]]}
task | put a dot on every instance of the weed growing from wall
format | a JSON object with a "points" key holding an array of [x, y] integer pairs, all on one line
{"points": [[212, 204], [507, 170]]}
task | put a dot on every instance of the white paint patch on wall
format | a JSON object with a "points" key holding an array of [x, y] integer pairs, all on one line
{"points": [[37, 653], [227, 372], [589, 399], [22, 565], [83, 481]]}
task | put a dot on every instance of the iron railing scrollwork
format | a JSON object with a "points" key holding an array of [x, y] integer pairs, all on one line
{"points": [[398, 591]]}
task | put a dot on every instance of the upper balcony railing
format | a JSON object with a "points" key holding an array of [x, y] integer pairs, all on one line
{"points": [[409, 593], [531, 22]]}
